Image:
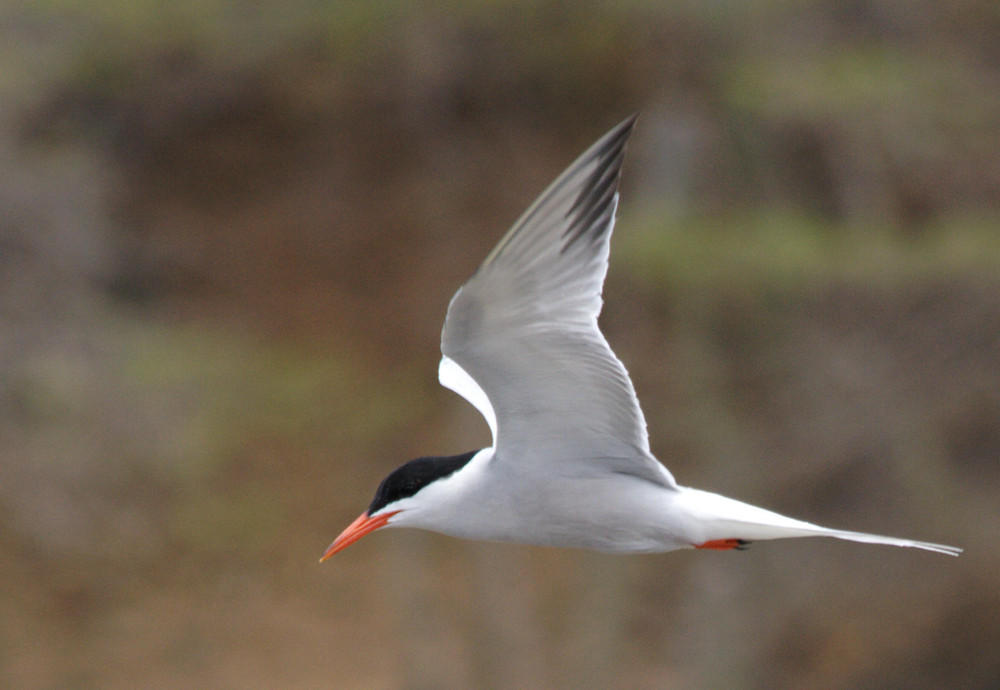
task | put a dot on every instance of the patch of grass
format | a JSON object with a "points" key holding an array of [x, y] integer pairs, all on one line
{"points": [[234, 424], [211, 390], [245, 520], [910, 94], [792, 249]]}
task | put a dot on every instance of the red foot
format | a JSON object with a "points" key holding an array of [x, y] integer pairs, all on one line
{"points": [[723, 544]]}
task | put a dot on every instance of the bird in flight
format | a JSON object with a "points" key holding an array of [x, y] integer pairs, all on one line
{"points": [[570, 463]]}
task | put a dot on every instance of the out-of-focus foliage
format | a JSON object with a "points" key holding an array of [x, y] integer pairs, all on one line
{"points": [[230, 233]]}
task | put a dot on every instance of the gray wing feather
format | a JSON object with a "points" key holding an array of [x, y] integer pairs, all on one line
{"points": [[524, 328]]}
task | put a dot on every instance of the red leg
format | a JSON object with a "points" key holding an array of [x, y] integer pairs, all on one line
{"points": [[723, 544]]}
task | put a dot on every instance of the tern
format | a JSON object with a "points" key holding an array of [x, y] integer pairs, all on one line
{"points": [[570, 464]]}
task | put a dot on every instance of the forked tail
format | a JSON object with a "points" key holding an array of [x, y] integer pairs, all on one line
{"points": [[891, 541], [723, 523]]}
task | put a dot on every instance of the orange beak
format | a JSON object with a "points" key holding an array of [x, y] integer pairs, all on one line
{"points": [[357, 529]]}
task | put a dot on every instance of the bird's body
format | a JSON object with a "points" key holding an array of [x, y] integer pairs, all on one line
{"points": [[489, 501], [571, 464]]}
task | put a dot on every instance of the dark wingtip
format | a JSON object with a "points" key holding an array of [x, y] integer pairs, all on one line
{"points": [[615, 139], [624, 128], [596, 198]]}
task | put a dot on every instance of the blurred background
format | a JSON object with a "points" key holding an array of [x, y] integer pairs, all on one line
{"points": [[228, 237]]}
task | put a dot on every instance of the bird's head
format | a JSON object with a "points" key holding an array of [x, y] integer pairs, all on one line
{"points": [[400, 497]]}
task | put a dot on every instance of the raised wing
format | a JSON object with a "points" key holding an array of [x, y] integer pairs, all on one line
{"points": [[521, 340]]}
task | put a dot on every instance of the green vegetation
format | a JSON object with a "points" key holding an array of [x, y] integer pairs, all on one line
{"points": [[230, 232], [771, 248]]}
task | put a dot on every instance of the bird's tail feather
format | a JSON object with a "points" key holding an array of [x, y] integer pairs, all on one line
{"points": [[891, 541], [719, 518]]}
